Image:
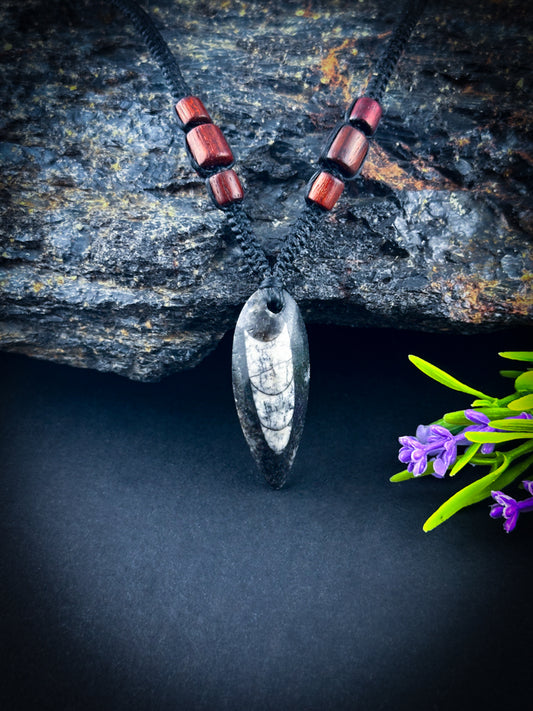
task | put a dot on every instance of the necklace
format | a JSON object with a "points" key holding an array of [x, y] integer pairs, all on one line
{"points": [[270, 361]]}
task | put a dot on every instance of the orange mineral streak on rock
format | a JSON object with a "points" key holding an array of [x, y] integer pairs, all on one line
{"points": [[522, 304], [332, 72], [474, 300], [525, 156], [308, 13], [381, 168], [520, 119]]}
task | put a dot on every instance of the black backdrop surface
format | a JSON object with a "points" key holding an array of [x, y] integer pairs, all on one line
{"points": [[144, 566]]}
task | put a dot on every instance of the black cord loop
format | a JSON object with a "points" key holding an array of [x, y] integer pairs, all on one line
{"points": [[311, 215]]}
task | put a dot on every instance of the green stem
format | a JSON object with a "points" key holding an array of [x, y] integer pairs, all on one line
{"points": [[506, 400], [513, 454]]}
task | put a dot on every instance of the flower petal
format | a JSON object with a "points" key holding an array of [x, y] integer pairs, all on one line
{"points": [[419, 467], [510, 523], [439, 467], [404, 455], [409, 441], [502, 498], [528, 486], [487, 448], [478, 417], [438, 432], [496, 511], [422, 432]]}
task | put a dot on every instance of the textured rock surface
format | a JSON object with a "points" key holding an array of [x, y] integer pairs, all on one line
{"points": [[112, 256]]}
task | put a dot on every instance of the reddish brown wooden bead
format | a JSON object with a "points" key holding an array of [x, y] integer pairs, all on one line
{"points": [[366, 114], [325, 190], [208, 147], [191, 112], [226, 188], [348, 150]]}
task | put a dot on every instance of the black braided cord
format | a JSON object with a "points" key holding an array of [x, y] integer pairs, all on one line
{"points": [[306, 224], [382, 73], [241, 227], [159, 50], [311, 215]]}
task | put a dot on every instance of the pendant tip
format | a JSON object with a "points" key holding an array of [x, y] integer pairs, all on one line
{"points": [[276, 482]]}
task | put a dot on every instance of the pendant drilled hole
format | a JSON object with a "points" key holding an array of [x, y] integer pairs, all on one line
{"points": [[275, 304]]}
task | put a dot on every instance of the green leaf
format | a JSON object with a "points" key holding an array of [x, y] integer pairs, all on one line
{"points": [[478, 490], [522, 403], [471, 494], [517, 355], [405, 475], [513, 425], [484, 403], [402, 476], [445, 379], [459, 418], [463, 460], [524, 381], [510, 373], [496, 437]]}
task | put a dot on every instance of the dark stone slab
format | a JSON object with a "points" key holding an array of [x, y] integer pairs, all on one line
{"points": [[113, 257]]}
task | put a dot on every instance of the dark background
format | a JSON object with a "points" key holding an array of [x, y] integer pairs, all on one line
{"points": [[145, 566]]}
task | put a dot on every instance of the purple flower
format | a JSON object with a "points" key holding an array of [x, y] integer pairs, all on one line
{"points": [[434, 442], [482, 425], [510, 508], [414, 454]]}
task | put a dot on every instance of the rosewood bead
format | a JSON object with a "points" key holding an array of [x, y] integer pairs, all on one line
{"points": [[365, 114], [325, 190], [208, 147], [225, 188], [348, 150], [191, 112]]}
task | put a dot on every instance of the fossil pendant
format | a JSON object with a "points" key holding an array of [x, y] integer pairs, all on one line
{"points": [[270, 369]]}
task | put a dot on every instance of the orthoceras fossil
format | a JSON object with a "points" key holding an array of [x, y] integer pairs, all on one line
{"points": [[271, 380]]}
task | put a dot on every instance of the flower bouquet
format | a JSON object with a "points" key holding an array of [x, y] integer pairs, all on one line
{"points": [[493, 432]]}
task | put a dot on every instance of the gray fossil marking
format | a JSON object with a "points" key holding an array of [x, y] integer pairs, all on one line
{"points": [[271, 373]]}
